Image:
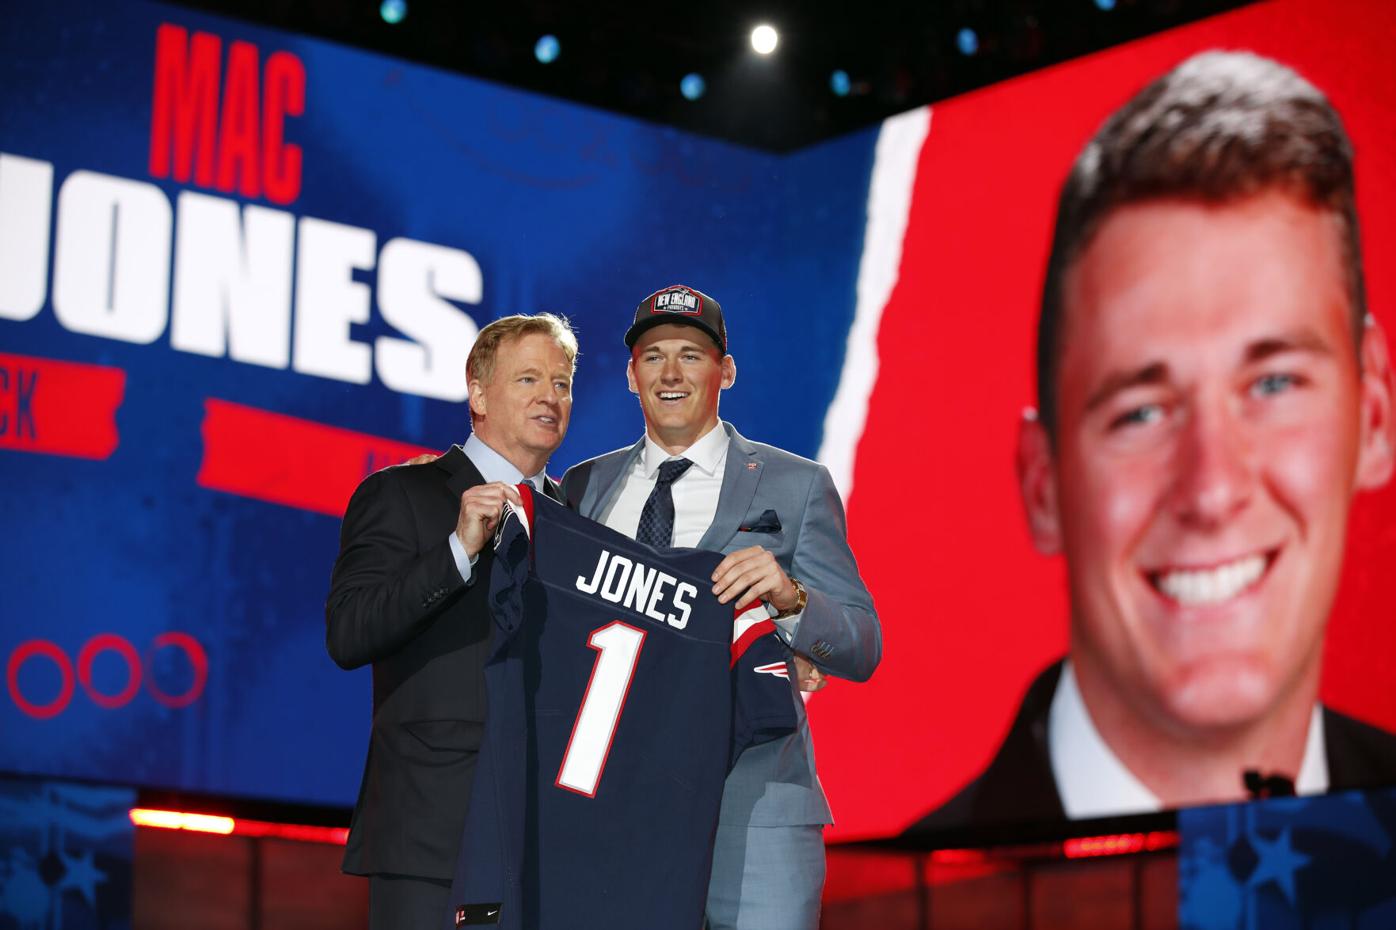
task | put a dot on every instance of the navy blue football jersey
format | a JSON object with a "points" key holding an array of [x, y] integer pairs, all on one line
{"points": [[620, 694]]}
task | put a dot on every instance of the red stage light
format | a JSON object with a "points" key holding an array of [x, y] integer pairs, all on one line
{"points": [[1119, 844], [211, 823]]}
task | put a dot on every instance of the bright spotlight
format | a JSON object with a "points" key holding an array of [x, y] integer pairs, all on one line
{"points": [[692, 86], [1106, 5], [840, 84], [764, 39], [967, 41], [547, 49], [393, 11]]}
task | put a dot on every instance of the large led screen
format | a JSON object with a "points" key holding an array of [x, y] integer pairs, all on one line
{"points": [[1212, 545]]}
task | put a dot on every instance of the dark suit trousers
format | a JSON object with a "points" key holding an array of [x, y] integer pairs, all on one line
{"points": [[407, 902]]}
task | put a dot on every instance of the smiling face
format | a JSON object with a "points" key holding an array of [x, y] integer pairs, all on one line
{"points": [[522, 411], [679, 374], [1214, 424]]}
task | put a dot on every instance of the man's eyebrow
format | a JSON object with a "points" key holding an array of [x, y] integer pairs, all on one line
{"points": [[1117, 381], [1299, 340]]}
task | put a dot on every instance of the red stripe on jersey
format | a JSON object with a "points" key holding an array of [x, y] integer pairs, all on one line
{"points": [[745, 607], [752, 634]]}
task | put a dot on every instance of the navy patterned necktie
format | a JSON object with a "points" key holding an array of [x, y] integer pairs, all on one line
{"points": [[657, 518]]}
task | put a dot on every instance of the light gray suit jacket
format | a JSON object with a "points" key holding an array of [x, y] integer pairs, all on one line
{"points": [[774, 784]]}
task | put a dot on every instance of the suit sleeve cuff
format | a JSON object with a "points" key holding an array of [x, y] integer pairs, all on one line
{"points": [[465, 564]]}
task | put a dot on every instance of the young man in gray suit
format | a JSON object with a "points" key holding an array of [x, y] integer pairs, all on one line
{"points": [[694, 481]]}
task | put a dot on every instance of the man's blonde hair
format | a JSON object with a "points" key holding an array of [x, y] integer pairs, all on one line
{"points": [[479, 366]]}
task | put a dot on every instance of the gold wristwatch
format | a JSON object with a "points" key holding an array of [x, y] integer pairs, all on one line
{"points": [[801, 599]]}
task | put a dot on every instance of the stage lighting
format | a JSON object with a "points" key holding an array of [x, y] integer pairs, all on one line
{"points": [[839, 83], [764, 39], [692, 86], [392, 11], [547, 49], [967, 41], [1106, 5]]}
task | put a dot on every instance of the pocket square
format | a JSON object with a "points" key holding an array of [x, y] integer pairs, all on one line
{"points": [[768, 522]]}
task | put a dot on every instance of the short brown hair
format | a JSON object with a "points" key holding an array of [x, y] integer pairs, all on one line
{"points": [[1221, 126], [479, 365]]}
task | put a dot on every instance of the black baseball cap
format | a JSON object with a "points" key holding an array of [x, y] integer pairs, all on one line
{"points": [[679, 304]]}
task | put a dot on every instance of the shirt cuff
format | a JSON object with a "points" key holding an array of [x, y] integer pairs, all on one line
{"points": [[787, 627], [465, 564]]}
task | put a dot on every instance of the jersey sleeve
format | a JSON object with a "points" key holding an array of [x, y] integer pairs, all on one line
{"points": [[763, 704]]}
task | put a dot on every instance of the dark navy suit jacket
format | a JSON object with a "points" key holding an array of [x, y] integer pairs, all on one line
{"points": [[1018, 786]]}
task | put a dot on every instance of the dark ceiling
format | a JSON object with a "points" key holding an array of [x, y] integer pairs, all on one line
{"points": [[630, 58]]}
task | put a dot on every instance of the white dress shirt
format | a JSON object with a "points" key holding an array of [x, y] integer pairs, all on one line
{"points": [[1093, 782], [492, 467], [696, 493]]}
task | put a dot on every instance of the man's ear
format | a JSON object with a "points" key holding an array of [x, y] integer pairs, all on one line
{"points": [[1377, 436], [1037, 483], [477, 397], [630, 377], [729, 372]]}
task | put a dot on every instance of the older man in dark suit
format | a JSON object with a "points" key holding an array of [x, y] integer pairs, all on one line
{"points": [[406, 596]]}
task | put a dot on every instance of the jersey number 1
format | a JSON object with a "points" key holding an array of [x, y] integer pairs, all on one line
{"points": [[618, 649]]}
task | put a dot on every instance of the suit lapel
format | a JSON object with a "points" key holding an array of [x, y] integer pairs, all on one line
{"points": [[606, 481], [739, 481], [463, 473], [551, 489]]}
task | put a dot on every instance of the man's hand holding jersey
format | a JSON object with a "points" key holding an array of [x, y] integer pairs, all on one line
{"points": [[754, 574], [480, 508]]}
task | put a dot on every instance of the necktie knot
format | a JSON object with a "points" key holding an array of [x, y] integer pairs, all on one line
{"points": [[672, 470]]}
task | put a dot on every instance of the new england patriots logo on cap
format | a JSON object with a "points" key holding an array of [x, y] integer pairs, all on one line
{"points": [[677, 299]]}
